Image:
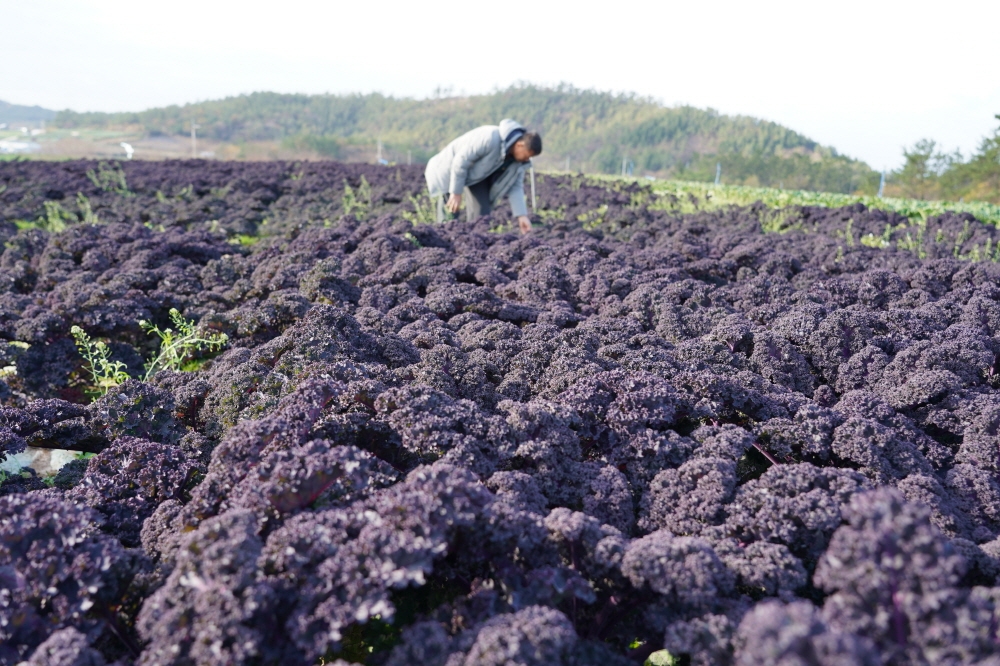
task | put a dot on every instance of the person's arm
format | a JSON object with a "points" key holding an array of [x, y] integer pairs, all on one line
{"points": [[518, 205]]}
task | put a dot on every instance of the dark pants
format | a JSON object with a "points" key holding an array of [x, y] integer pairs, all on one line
{"points": [[476, 199]]}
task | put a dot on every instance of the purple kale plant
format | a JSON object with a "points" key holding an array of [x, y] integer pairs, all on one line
{"points": [[651, 426]]}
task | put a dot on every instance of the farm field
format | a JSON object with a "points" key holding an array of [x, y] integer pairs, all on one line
{"points": [[59, 144], [675, 424]]}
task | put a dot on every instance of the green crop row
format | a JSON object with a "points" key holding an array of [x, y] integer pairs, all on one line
{"points": [[708, 196]]}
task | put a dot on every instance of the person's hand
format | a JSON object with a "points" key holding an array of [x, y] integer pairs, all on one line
{"points": [[525, 223], [454, 201]]}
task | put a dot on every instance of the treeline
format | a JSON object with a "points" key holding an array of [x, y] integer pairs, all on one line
{"points": [[585, 130], [929, 173]]}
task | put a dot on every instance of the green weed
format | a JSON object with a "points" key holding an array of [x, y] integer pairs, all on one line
{"points": [[423, 210], [177, 347], [357, 202], [177, 351], [593, 219], [87, 215], [109, 178], [963, 236], [56, 218], [546, 215], [105, 374], [246, 240], [779, 221], [662, 658]]}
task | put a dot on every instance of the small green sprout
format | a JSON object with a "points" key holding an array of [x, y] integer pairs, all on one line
{"points": [[109, 178], [423, 210], [357, 202], [662, 658], [87, 215], [56, 218], [177, 345], [104, 373]]}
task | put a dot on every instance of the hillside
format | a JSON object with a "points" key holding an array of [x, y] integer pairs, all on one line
{"points": [[595, 131], [16, 113]]}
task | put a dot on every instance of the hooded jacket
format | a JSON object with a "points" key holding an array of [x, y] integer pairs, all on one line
{"points": [[472, 157]]}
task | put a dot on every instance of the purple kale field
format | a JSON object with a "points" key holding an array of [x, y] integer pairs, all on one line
{"points": [[647, 427]]}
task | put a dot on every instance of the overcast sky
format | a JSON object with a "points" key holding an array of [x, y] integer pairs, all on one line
{"points": [[865, 77]]}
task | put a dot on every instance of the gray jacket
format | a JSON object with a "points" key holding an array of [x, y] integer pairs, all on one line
{"points": [[471, 158]]}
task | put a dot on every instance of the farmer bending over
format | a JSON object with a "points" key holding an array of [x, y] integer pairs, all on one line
{"points": [[484, 164]]}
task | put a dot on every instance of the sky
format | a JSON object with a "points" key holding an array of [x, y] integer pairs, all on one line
{"points": [[867, 78]]}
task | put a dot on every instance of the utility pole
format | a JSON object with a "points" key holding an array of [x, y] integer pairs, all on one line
{"points": [[624, 165], [567, 165], [378, 157], [718, 173], [881, 184], [409, 157], [194, 140]]}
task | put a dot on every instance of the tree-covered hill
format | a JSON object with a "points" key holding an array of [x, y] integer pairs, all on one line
{"points": [[595, 131], [16, 113]]}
